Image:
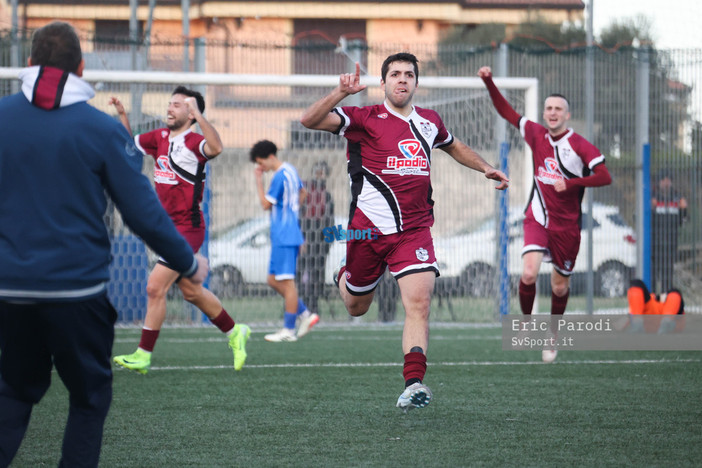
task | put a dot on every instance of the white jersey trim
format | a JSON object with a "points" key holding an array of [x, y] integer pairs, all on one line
{"points": [[372, 203], [598, 160]]}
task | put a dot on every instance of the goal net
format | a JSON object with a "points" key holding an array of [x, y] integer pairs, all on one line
{"points": [[248, 108]]}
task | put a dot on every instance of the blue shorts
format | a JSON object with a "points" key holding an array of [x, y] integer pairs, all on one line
{"points": [[283, 262]]}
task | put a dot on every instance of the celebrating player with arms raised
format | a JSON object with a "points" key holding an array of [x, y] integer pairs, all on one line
{"points": [[564, 164], [179, 157], [389, 162]]}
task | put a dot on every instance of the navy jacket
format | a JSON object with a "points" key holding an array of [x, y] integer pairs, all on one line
{"points": [[59, 160]]}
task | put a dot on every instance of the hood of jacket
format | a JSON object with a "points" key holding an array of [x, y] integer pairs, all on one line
{"points": [[50, 88]]}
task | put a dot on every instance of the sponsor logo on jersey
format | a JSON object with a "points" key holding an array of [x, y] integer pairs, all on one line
{"points": [[411, 160], [384, 115], [550, 174], [163, 174], [422, 254]]}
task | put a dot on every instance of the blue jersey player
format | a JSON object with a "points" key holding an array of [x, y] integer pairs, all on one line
{"points": [[283, 199]]}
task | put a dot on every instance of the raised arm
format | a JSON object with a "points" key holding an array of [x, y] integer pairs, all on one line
{"points": [[258, 173], [213, 143], [319, 116], [140, 208], [465, 155], [503, 108], [121, 113]]}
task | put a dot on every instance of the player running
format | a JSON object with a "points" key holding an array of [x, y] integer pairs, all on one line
{"points": [[180, 156], [389, 163], [564, 164]]}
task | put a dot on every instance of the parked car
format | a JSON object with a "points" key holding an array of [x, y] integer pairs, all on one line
{"points": [[240, 255], [467, 258]]}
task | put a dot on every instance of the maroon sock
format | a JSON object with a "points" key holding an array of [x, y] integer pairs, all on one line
{"points": [[148, 339], [223, 321], [527, 293], [415, 366], [558, 303]]}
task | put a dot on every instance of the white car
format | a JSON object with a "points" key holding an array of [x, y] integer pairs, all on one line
{"points": [[239, 257], [467, 258]]}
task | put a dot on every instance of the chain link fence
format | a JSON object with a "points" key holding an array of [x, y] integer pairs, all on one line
{"points": [[466, 204]]}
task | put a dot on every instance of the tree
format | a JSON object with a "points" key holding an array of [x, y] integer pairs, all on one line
{"points": [[555, 54], [487, 34], [627, 32], [539, 34]]}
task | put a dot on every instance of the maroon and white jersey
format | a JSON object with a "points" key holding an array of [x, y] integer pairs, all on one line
{"points": [[389, 163], [179, 172], [570, 156]]}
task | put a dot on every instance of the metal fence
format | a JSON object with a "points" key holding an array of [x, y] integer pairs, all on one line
{"points": [[465, 204]]}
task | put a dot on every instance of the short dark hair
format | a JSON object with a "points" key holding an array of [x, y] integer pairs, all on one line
{"points": [[191, 93], [263, 149], [559, 95], [400, 57], [56, 45]]}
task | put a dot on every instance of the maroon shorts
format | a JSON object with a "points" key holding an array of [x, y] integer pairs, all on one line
{"points": [[193, 236], [404, 253], [559, 247]]}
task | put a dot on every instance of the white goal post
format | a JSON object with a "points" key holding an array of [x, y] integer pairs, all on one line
{"points": [[249, 107], [529, 86]]}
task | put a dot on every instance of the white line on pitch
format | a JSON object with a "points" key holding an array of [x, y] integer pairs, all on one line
{"points": [[397, 364], [320, 337]]}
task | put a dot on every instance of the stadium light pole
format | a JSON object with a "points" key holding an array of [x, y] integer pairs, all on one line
{"points": [[352, 50], [589, 131], [185, 9], [147, 32], [135, 89], [14, 48], [643, 176], [501, 280]]}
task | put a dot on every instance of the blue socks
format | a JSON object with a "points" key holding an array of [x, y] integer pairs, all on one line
{"points": [[301, 307], [290, 318]]}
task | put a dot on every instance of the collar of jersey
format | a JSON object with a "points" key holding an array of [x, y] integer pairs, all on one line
{"points": [[180, 136], [397, 114], [563, 137]]}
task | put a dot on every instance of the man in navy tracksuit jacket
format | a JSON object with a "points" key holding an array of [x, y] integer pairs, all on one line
{"points": [[59, 158]]}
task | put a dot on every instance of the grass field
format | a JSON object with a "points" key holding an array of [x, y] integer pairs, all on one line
{"points": [[329, 401], [269, 309]]}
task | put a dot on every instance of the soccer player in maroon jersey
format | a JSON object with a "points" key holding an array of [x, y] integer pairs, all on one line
{"points": [[389, 162], [564, 164], [179, 157]]}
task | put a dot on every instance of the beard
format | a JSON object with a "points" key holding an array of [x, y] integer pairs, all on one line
{"points": [[177, 124]]}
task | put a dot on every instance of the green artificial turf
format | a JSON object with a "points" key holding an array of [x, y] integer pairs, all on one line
{"points": [[329, 401]]}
